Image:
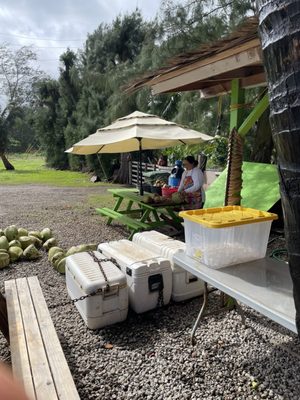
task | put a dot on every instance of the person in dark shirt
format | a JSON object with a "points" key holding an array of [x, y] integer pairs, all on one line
{"points": [[178, 170]]}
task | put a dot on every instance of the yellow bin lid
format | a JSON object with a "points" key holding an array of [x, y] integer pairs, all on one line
{"points": [[223, 217]]}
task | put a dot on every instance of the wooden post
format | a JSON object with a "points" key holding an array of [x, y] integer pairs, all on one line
{"points": [[130, 172], [3, 317]]}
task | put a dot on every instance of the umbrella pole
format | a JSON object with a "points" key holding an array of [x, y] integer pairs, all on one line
{"points": [[140, 167]]}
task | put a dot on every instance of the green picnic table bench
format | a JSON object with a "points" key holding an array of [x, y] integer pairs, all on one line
{"points": [[132, 224], [133, 212]]}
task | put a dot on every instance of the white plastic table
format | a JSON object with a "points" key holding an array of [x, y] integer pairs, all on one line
{"points": [[264, 285]]}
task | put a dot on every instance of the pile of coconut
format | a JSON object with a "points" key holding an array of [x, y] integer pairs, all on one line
{"points": [[17, 244]]}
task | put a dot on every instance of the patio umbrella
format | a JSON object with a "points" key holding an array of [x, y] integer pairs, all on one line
{"points": [[137, 132]]}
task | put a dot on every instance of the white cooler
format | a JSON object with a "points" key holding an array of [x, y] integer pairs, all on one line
{"points": [[149, 277], [185, 285], [84, 276]]}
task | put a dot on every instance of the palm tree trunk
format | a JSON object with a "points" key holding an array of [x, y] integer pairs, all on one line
{"points": [[6, 163], [123, 176], [263, 143], [280, 36]]}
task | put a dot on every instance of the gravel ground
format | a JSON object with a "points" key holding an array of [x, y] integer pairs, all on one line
{"points": [[150, 356]]}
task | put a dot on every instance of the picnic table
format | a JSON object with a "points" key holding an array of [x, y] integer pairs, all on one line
{"points": [[264, 285], [131, 210]]}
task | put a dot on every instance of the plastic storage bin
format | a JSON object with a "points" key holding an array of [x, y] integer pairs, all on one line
{"points": [[83, 276], [149, 277], [219, 237], [185, 285]]}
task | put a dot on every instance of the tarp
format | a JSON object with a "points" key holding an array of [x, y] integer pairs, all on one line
{"points": [[260, 187]]}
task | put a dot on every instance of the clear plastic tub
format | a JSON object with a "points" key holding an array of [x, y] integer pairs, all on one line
{"points": [[219, 237]]}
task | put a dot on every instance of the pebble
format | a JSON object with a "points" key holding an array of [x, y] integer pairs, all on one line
{"points": [[152, 357]]}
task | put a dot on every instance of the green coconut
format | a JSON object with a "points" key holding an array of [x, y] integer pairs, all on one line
{"points": [[15, 243], [22, 232], [86, 247], [4, 260], [53, 251], [57, 257], [50, 243], [36, 241], [46, 234], [61, 266], [25, 241], [37, 234], [2, 232], [11, 232], [91, 247], [72, 250], [31, 252], [176, 198], [15, 253], [4, 243]]}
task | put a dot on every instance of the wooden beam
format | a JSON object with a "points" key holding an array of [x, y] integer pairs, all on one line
{"points": [[231, 63], [221, 88], [255, 114], [237, 99]]}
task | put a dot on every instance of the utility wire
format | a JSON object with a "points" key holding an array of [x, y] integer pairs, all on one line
{"points": [[43, 47], [36, 38]]}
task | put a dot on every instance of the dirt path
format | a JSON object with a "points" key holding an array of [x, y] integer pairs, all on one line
{"points": [[65, 210]]}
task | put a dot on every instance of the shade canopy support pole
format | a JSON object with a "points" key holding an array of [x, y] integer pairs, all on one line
{"points": [[140, 167]]}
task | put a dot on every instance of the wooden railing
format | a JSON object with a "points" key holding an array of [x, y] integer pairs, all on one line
{"points": [[134, 170]]}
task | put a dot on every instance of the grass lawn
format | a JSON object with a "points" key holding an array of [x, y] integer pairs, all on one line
{"points": [[101, 200], [31, 169]]}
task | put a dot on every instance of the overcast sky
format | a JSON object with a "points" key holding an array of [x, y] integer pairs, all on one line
{"points": [[53, 25]]}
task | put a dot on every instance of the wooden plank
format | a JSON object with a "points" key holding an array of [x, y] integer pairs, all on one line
{"points": [[64, 383], [42, 377], [249, 46], [208, 71], [18, 347]]}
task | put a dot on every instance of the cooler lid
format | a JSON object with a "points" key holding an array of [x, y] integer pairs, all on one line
{"points": [[129, 254], [88, 274]]}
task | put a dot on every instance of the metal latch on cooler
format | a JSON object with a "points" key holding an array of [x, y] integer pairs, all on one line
{"points": [[113, 290]]}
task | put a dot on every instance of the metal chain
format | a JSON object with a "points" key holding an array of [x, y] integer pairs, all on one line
{"points": [[96, 259], [160, 299], [95, 292]]}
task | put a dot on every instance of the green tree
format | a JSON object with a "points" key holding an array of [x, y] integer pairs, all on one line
{"points": [[47, 123], [22, 135], [17, 81]]}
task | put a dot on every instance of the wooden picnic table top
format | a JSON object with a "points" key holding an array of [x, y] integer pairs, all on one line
{"points": [[133, 195]]}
